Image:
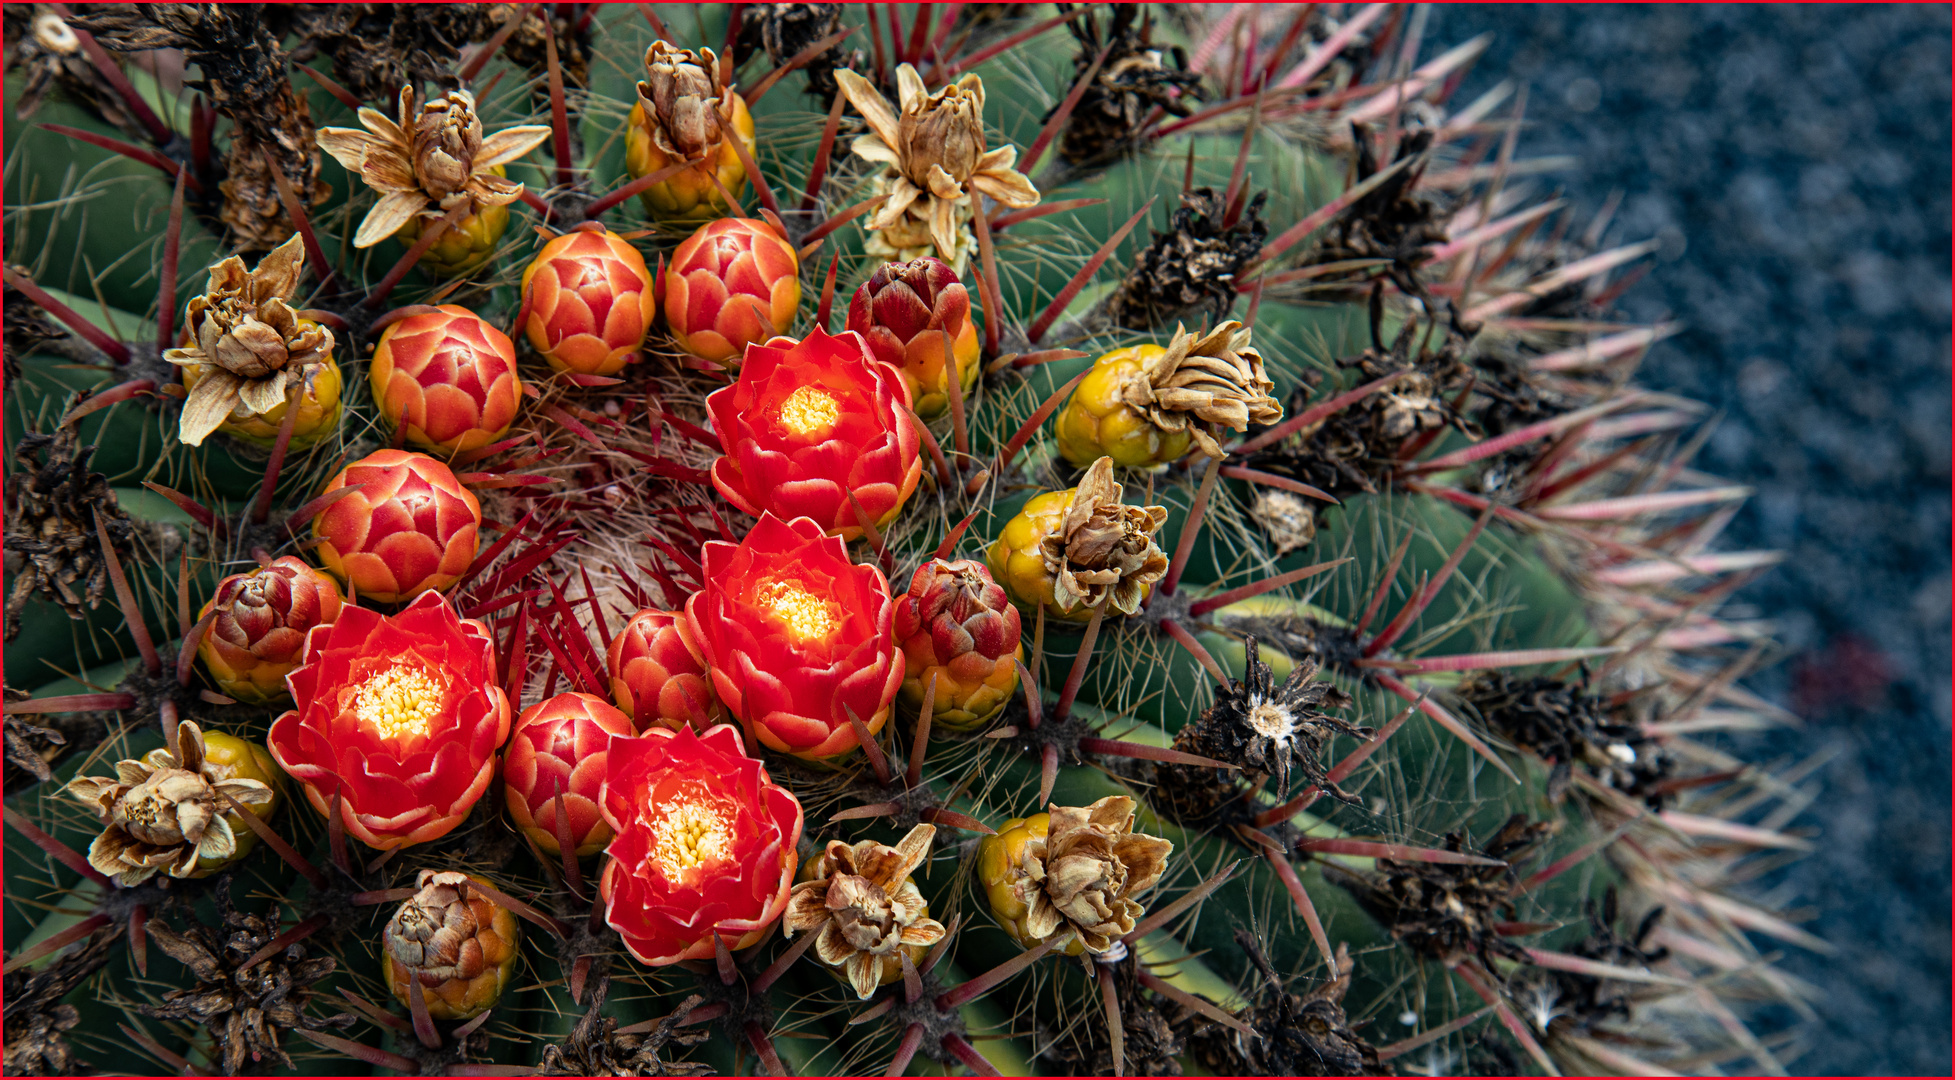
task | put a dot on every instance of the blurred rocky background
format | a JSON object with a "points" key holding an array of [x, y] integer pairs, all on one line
{"points": [[1794, 162]]}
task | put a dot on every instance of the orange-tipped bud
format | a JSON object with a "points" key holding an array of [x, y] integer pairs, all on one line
{"points": [[916, 317], [559, 747], [258, 631], [448, 377], [587, 301], [733, 283], [658, 674], [412, 527], [956, 626]]}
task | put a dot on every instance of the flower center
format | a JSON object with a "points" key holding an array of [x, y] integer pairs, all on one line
{"points": [[805, 615], [693, 835], [399, 701], [809, 411], [1271, 721]]}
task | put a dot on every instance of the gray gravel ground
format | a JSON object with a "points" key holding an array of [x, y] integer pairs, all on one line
{"points": [[1794, 161]]}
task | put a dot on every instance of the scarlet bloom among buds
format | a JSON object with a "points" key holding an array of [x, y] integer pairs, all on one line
{"points": [[658, 675], [587, 301], [706, 844], [400, 716], [734, 282], [808, 424], [957, 626], [559, 747], [449, 377], [797, 637], [410, 529], [258, 627], [916, 317]]}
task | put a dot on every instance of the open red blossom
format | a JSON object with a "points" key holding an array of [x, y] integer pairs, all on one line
{"points": [[706, 844], [810, 422], [797, 637], [411, 528], [400, 715]]}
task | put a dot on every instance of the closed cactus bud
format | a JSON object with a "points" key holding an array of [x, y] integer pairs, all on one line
{"points": [[734, 282], [658, 674], [1070, 551], [685, 111], [916, 317], [587, 301], [1071, 875], [956, 626], [448, 377], [1145, 406], [559, 746], [410, 529], [457, 942], [258, 626]]}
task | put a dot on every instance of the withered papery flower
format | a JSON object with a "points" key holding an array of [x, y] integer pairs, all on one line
{"points": [[247, 344], [866, 909], [1203, 382], [1105, 549], [162, 813], [932, 147], [435, 158]]}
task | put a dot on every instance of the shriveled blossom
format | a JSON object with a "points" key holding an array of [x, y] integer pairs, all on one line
{"points": [[1145, 404], [706, 844], [916, 317], [658, 673], [861, 901], [411, 528], [432, 160], [734, 282], [1074, 871], [797, 638], [163, 813], [459, 944], [258, 626], [1074, 550], [686, 110], [247, 347], [809, 423], [449, 377], [399, 716], [558, 748], [931, 146]]}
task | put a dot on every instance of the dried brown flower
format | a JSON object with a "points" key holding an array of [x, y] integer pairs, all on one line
{"points": [[378, 48], [596, 1048], [29, 745], [435, 159], [1105, 549], [245, 1009], [1084, 874], [689, 107], [53, 504], [1571, 728], [1193, 265], [934, 158], [37, 1018], [1133, 81], [783, 30], [1297, 1034], [163, 812], [248, 348], [1203, 382], [866, 908]]}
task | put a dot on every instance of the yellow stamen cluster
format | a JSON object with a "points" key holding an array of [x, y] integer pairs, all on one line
{"points": [[693, 836], [399, 701], [805, 615], [809, 411]]}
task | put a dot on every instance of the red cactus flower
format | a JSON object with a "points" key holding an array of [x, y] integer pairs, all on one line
{"points": [[706, 844], [734, 282], [916, 317], [559, 746], [259, 624], [658, 674], [399, 715], [796, 637], [411, 528], [449, 377], [587, 301], [808, 423]]}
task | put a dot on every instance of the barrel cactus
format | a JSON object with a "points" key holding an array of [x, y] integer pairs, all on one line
{"points": [[1304, 619]]}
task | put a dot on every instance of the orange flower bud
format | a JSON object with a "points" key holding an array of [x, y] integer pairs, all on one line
{"points": [[587, 301], [259, 630], [449, 377], [735, 282], [559, 747], [658, 674], [412, 527]]}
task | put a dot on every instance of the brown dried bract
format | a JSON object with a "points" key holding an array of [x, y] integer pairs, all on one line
{"points": [[246, 1009], [595, 1047], [53, 503], [37, 1019], [163, 812], [1132, 82], [1204, 382], [865, 907], [1195, 264], [1570, 728], [1104, 552], [378, 48], [1297, 1034]]}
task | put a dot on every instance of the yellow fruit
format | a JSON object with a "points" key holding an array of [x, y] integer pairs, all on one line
{"points": [[690, 195], [1000, 863], [1097, 421], [319, 409]]}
